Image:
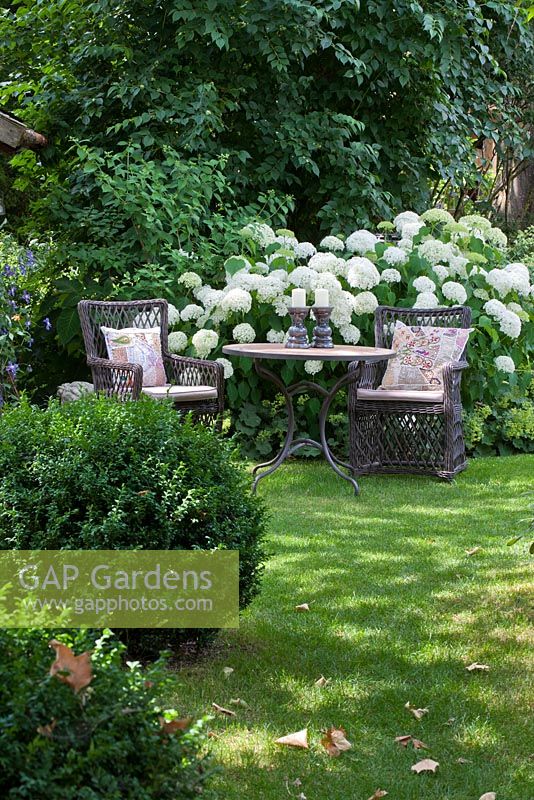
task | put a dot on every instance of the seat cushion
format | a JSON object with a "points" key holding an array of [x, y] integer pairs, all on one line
{"points": [[421, 353], [137, 346], [412, 396], [181, 394]]}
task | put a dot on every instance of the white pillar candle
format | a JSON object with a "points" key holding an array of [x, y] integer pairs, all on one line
{"points": [[298, 298], [321, 298]]}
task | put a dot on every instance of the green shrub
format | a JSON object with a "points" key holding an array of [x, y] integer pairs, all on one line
{"points": [[104, 742], [522, 248], [100, 474]]}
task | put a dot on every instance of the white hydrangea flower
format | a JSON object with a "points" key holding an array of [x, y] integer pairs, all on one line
{"points": [[237, 300], [262, 267], [305, 250], [365, 303], [269, 289], [457, 265], [496, 238], [350, 333], [435, 251], [333, 243], [454, 291], [343, 309], [190, 280], [280, 275], [275, 337], [440, 271], [208, 297], [191, 311], [173, 314], [325, 280], [303, 277], [405, 244], [504, 364], [391, 276], [423, 284], [244, 333], [361, 242], [177, 342], [323, 262], [405, 218], [481, 294], [204, 341], [313, 367], [362, 273], [227, 365], [287, 242], [437, 215], [395, 256], [411, 229], [519, 278], [509, 321], [474, 222], [281, 305], [517, 309], [500, 280], [426, 300], [243, 279], [260, 233]]}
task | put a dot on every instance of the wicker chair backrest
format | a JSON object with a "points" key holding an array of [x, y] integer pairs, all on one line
{"points": [[120, 314]]}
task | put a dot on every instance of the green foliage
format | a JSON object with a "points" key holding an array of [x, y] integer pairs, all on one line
{"points": [[522, 248], [168, 121], [101, 474], [104, 743], [15, 314]]}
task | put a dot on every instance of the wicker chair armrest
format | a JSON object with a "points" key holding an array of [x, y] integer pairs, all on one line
{"points": [[452, 378], [117, 378], [185, 371], [370, 374]]}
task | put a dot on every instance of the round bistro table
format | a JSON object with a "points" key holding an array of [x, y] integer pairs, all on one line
{"points": [[276, 352]]}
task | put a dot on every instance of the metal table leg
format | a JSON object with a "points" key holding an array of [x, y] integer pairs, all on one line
{"points": [[291, 445]]}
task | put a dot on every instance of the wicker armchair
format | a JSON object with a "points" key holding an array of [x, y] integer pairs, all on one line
{"points": [[417, 432], [194, 384]]}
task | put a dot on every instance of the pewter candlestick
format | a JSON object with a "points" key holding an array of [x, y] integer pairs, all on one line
{"points": [[322, 333], [298, 335]]}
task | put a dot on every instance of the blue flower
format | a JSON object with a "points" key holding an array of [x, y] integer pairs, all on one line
{"points": [[26, 296], [12, 369], [47, 324]]}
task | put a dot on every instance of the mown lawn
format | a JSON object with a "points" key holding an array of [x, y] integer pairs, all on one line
{"points": [[397, 611]]}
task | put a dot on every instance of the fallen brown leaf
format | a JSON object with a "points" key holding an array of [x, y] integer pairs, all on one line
{"points": [[418, 713], [175, 724], [476, 667], [426, 765], [298, 739], [462, 760], [322, 681], [236, 701], [228, 671], [488, 796], [302, 607], [213, 735], [417, 743], [226, 711], [378, 794], [78, 668], [47, 730], [404, 740], [335, 742], [473, 551]]}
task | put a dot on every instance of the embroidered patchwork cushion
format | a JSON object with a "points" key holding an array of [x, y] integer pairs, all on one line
{"points": [[137, 346], [421, 353]]}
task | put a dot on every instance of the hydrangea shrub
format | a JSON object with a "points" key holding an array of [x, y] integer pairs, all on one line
{"points": [[421, 261]]}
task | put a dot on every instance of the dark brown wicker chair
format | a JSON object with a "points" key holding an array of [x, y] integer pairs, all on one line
{"points": [[415, 435], [126, 380]]}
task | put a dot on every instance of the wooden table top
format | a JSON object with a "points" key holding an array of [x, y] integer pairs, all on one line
{"points": [[340, 352]]}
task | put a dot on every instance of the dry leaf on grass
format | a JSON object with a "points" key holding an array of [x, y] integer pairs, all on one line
{"points": [[488, 796], [426, 765], [226, 711], [418, 713], [322, 681], [335, 742], [76, 671], [174, 724], [476, 667], [378, 794], [473, 551], [417, 743], [462, 760], [298, 739], [302, 607], [236, 701], [228, 670]]}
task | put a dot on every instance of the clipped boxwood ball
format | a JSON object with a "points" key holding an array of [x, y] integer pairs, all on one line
{"points": [[100, 474]]}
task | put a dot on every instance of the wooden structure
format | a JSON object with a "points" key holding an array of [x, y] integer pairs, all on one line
{"points": [[15, 136]]}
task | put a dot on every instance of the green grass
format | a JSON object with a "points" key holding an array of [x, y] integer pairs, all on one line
{"points": [[398, 610]]}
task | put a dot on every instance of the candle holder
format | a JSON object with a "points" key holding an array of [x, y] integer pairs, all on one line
{"points": [[298, 335], [322, 333]]}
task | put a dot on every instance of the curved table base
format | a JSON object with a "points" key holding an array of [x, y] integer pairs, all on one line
{"points": [[292, 444]]}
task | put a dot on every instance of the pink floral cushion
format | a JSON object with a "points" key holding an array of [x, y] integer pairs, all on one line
{"points": [[137, 346], [421, 354]]}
